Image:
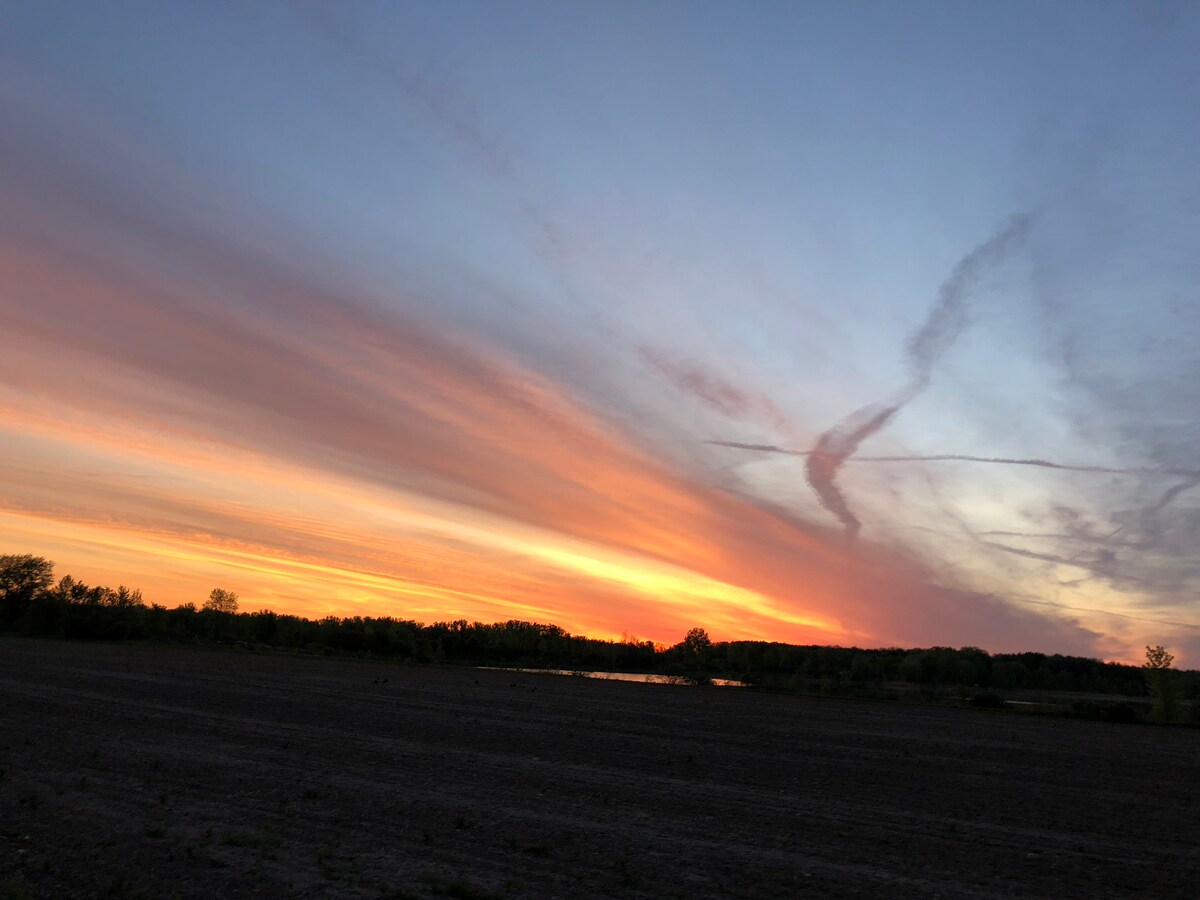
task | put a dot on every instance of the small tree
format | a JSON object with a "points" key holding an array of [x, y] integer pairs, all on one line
{"points": [[125, 597], [693, 653], [696, 642], [222, 600], [1161, 681], [22, 578]]}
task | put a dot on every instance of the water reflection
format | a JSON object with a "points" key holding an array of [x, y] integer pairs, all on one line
{"points": [[618, 676]]}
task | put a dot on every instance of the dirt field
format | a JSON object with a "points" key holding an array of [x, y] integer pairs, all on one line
{"points": [[134, 770]]}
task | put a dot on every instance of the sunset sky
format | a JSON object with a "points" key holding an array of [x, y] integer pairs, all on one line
{"points": [[443, 310]]}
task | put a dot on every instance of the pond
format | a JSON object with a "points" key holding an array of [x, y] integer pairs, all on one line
{"points": [[616, 676]]}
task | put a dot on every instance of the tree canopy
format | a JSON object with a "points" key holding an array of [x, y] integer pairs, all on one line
{"points": [[22, 577], [221, 600]]}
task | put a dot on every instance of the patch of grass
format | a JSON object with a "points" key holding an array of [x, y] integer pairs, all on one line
{"points": [[988, 701], [253, 840], [626, 875], [29, 800], [154, 831], [334, 867], [16, 889], [1122, 713], [460, 888]]}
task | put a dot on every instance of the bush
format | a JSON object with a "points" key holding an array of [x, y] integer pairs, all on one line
{"points": [[1121, 713]]}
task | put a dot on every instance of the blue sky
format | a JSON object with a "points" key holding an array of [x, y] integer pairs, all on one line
{"points": [[678, 222]]}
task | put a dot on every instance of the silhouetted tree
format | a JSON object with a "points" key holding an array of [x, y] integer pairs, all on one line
{"points": [[693, 654], [221, 600], [1161, 680], [696, 642], [124, 597], [22, 578]]}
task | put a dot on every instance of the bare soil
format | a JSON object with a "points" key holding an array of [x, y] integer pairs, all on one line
{"points": [[202, 772]]}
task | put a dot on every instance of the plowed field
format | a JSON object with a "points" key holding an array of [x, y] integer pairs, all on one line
{"points": [[160, 771]]}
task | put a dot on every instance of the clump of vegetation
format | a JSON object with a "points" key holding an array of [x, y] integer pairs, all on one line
{"points": [[254, 840], [988, 701], [459, 888], [1121, 713], [16, 889], [692, 658]]}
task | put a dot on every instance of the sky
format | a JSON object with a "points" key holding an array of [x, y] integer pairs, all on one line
{"points": [[629, 317]]}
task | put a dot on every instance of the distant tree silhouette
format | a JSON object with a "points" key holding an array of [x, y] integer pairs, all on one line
{"points": [[694, 656], [125, 597], [73, 591], [221, 600], [1161, 680], [696, 642], [32, 604], [22, 578]]}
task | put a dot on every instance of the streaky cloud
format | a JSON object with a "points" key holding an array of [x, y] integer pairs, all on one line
{"points": [[435, 103], [714, 390]]}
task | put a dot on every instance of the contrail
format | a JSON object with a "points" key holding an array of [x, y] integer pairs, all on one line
{"points": [[765, 448], [1193, 480], [941, 328], [1011, 461], [1032, 554], [995, 460], [834, 447], [1106, 612]]}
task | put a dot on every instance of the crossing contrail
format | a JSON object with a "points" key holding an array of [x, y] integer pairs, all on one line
{"points": [[940, 329], [993, 460]]}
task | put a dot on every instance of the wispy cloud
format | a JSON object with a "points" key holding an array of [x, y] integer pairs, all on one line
{"points": [[714, 390]]}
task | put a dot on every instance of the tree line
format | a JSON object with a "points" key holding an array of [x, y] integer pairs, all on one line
{"points": [[33, 603]]}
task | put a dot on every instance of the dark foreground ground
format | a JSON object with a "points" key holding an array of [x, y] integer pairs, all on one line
{"points": [[159, 771]]}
